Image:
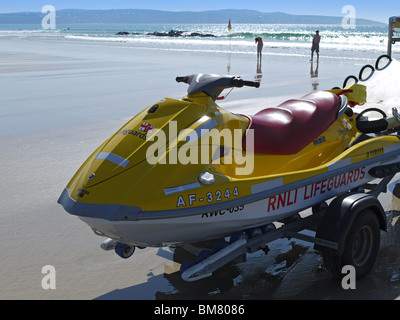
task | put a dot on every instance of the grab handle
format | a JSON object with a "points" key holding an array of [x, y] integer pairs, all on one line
{"points": [[183, 79], [239, 83]]}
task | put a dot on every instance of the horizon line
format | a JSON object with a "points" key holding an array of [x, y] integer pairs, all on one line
{"points": [[111, 9]]}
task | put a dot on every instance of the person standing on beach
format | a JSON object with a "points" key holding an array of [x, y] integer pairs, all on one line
{"points": [[315, 45], [260, 46]]}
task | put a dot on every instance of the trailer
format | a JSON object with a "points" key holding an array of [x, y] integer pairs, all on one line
{"points": [[347, 232]]}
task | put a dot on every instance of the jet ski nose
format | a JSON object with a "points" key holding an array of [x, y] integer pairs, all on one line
{"points": [[111, 212]]}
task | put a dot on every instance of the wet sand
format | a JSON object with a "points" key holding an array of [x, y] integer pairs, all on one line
{"points": [[60, 99]]}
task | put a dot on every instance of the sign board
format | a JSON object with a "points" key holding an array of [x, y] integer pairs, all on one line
{"points": [[394, 33]]}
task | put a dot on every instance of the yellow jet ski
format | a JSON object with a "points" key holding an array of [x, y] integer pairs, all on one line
{"points": [[184, 171]]}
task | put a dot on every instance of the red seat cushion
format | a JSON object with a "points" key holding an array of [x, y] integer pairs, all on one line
{"points": [[291, 126]]}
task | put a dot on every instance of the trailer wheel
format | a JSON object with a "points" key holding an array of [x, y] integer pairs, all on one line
{"points": [[361, 249]]}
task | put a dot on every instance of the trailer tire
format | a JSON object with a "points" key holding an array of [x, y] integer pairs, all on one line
{"points": [[361, 249]]}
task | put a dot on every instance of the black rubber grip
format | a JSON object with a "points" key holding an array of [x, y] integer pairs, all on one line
{"points": [[239, 83], [254, 84], [182, 79]]}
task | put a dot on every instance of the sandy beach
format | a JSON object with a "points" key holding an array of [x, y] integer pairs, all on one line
{"points": [[60, 99]]}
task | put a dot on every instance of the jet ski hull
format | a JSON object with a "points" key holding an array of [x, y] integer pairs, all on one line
{"points": [[269, 202]]}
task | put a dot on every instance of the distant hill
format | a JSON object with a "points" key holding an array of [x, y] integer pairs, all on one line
{"points": [[70, 16]]}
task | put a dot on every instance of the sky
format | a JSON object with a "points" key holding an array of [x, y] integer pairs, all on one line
{"points": [[378, 10]]}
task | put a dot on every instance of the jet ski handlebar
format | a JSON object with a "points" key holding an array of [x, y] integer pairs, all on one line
{"points": [[237, 82], [213, 85]]}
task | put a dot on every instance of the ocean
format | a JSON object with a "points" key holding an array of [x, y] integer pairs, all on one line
{"points": [[363, 43]]}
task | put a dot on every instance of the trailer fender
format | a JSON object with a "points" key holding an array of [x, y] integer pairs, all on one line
{"points": [[340, 215]]}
